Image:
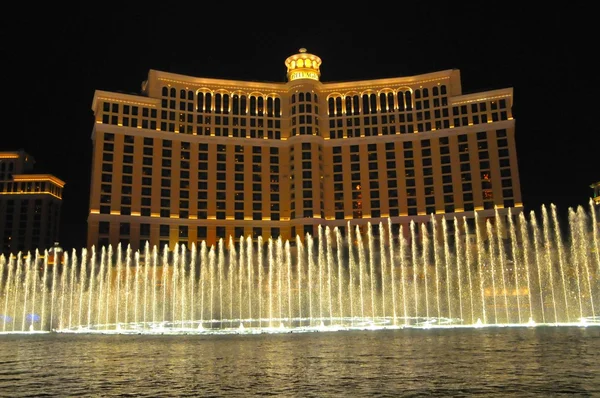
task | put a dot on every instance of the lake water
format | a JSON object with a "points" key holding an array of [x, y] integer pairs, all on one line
{"points": [[519, 362]]}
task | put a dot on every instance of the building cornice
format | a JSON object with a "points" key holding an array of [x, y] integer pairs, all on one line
{"points": [[37, 178], [130, 99], [137, 131], [9, 155], [389, 82], [225, 84], [481, 96]]}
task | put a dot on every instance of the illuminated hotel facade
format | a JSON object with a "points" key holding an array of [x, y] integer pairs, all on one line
{"points": [[198, 159], [30, 205]]}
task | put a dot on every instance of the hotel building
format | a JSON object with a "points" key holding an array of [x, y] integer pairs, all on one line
{"points": [[193, 159], [29, 205]]}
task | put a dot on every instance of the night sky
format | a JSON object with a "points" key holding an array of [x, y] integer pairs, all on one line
{"points": [[56, 57]]}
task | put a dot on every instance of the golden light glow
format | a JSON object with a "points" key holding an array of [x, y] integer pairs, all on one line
{"points": [[94, 211], [38, 178], [6, 155], [115, 213], [106, 99], [304, 74], [31, 193], [481, 99], [303, 66]]}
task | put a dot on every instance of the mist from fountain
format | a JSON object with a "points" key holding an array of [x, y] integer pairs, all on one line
{"points": [[499, 272]]}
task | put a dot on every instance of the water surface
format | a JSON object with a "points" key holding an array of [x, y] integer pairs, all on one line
{"points": [[541, 362]]}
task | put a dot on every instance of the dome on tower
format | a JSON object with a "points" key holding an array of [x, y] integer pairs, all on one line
{"points": [[303, 66]]}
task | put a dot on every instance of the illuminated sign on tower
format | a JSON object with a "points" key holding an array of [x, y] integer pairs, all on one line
{"points": [[303, 66]]}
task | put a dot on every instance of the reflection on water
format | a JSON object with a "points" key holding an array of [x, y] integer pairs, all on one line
{"points": [[520, 362]]}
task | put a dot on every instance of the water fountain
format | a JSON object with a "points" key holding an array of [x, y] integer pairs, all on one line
{"points": [[517, 271]]}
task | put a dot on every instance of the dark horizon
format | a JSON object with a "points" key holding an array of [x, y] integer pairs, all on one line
{"points": [[54, 76]]}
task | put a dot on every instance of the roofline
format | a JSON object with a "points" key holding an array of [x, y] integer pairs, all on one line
{"points": [[126, 98], [401, 80], [199, 81], [38, 177], [482, 95]]}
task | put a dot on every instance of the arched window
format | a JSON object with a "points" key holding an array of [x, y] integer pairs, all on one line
{"points": [[236, 104], [165, 91], [365, 104], [218, 103], [182, 94], [417, 94], [253, 106], [348, 105], [356, 104], [173, 92], [200, 104], [293, 98], [226, 103], [400, 100], [308, 97], [383, 102], [425, 92], [443, 89], [208, 102], [331, 103], [315, 98], [261, 106], [300, 97], [269, 106], [338, 106], [190, 95], [373, 101], [408, 101], [390, 102], [243, 105], [277, 107], [436, 91]]}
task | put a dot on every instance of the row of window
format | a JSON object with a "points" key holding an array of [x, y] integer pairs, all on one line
{"points": [[239, 233], [221, 103], [306, 176]]}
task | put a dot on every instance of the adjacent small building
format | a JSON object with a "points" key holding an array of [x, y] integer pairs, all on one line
{"points": [[29, 205]]}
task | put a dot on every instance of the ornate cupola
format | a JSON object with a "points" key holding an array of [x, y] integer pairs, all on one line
{"points": [[303, 66]]}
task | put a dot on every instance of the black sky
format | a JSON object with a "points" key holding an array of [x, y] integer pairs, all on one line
{"points": [[56, 57]]}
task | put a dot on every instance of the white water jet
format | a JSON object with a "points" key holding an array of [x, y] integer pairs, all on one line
{"points": [[361, 281]]}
